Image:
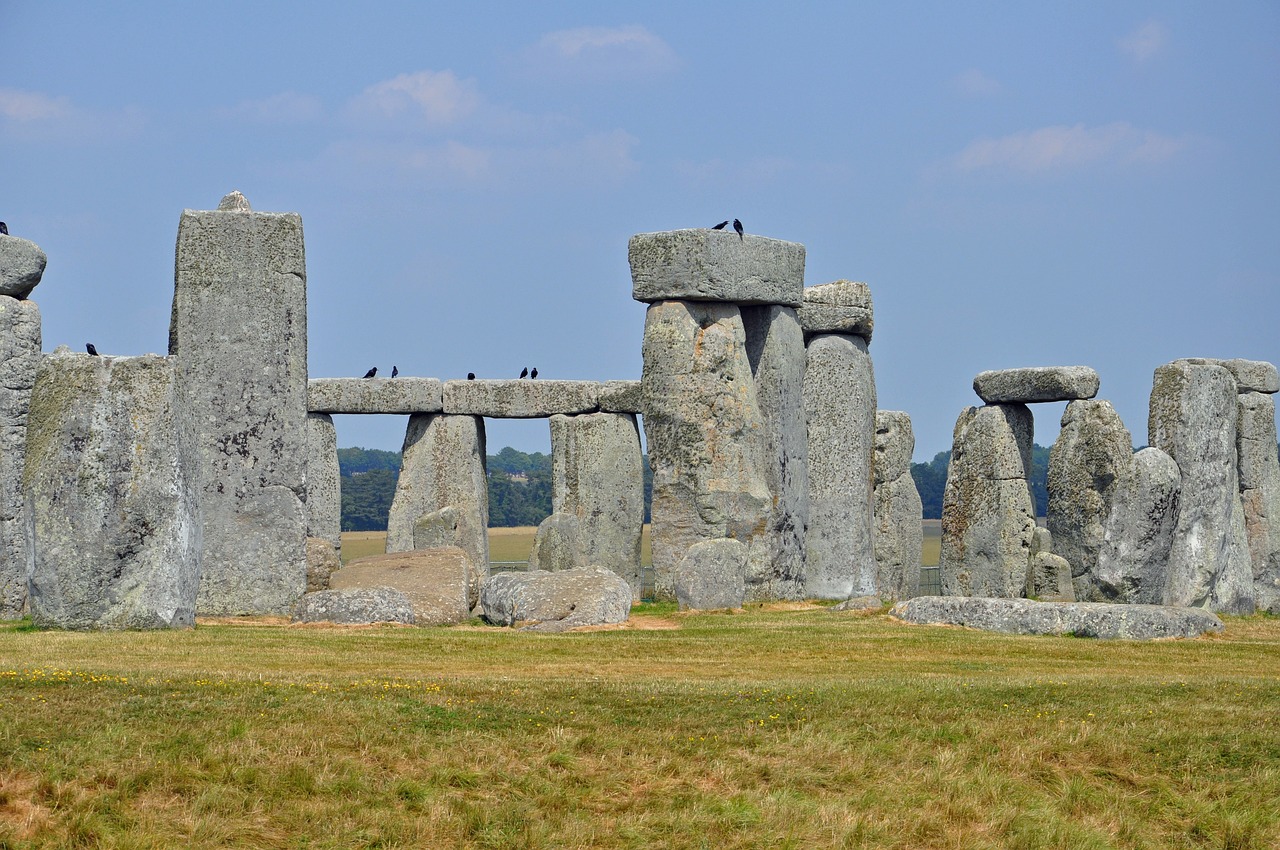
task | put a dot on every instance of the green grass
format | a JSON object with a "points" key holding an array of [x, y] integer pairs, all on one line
{"points": [[768, 728]]}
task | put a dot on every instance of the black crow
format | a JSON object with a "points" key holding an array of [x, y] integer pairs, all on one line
{"points": [[395, 370], [524, 373], [88, 346], [4, 228], [371, 372], [471, 376], [534, 373], [737, 225], [721, 225]]}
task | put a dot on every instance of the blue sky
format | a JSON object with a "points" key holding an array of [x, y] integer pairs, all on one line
{"points": [[1020, 184]]}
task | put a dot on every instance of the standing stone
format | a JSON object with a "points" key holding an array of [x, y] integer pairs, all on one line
{"points": [[443, 465], [113, 509], [840, 415], [324, 480], [708, 446], [712, 575], [239, 335], [775, 348], [898, 531], [1193, 417], [1133, 561], [988, 516], [19, 359], [1048, 575], [1260, 494], [557, 545]]}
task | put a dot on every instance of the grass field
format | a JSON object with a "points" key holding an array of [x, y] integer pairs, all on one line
{"points": [[769, 728]]}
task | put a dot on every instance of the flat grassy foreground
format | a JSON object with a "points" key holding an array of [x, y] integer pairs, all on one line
{"points": [[769, 728]]}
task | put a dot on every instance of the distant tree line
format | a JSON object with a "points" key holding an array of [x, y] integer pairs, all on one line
{"points": [[931, 480]]}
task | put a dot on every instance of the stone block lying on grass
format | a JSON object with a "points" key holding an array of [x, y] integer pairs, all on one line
{"points": [[584, 596], [1081, 619], [355, 606], [434, 581]]}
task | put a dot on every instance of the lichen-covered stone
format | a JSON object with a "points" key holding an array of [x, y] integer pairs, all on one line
{"points": [[897, 534], [1260, 494], [112, 503], [557, 545], [988, 516], [520, 399], [715, 265], [1193, 417], [1049, 578], [1036, 384], [355, 606], [712, 575], [436, 529], [840, 415], [435, 581], [375, 395], [1079, 619], [841, 307], [323, 560], [324, 480], [19, 359], [21, 266], [585, 596], [621, 397], [239, 336], [1133, 561], [1252, 376]]}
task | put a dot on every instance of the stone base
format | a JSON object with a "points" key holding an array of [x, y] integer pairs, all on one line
{"points": [[1079, 619]]}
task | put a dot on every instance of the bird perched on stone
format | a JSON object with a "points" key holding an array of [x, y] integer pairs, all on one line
{"points": [[534, 373], [471, 376], [395, 370], [721, 225], [371, 372], [4, 228], [524, 373], [737, 225], [88, 346]]}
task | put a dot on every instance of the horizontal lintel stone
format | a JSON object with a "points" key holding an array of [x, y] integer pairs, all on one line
{"points": [[374, 395], [1036, 384], [840, 307], [620, 397], [1252, 376], [520, 399], [715, 265]]}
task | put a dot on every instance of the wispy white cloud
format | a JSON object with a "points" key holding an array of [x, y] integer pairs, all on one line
{"points": [[974, 83], [438, 98], [1145, 42], [602, 53], [1062, 147], [36, 116], [283, 108], [25, 107]]}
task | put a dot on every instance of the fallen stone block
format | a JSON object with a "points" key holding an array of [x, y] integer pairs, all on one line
{"points": [[520, 399], [433, 580], [715, 265], [375, 395], [1036, 384], [355, 606], [859, 603], [841, 307], [585, 596], [1079, 619]]}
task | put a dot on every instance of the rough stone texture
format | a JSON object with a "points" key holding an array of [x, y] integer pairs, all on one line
{"points": [[1036, 384], [585, 596], [1090, 465], [859, 603], [520, 399], [324, 480], [775, 349], [840, 415], [239, 335], [375, 395], [988, 516], [842, 307], [712, 575], [558, 544], [1252, 376], [355, 606], [1133, 561], [1193, 417], [323, 561], [597, 476], [621, 397], [1260, 494], [112, 504], [707, 441], [1049, 578], [443, 465], [19, 359], [21, 266], [898, 535], [436, 529], [715, 265], [1079, 619], [434, 580]]}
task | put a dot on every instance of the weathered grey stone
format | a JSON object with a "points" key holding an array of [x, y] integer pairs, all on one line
{"points": [[520, 399], [322, 562], [234, 201], [1036, 384], [557, 545], [375, 395], [443, 465], [775, 349], [1089, 465], [436, 529], [1049, 578], [1079, 619], [898, 535], [842, 307], [1193, 417], [1260, 494], [706, 437], [584, 596], [1252, 376], [21, 266], [988, 516], [324, 480], [1133, 561], [239, 333], [597, 477], [19, 359], [840, 414], [621, 397], [715, 265], [112, 504], [1041, 541], [712, 575], [434, 580], [354, 606], [859, 603]]}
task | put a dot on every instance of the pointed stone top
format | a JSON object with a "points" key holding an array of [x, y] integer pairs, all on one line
{"points": [[235, 202]]}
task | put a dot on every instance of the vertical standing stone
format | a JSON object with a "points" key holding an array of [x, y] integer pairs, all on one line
{"points": [[1193, 417], [443, 465], [114, 515], [775, 349], [1260, 494], [840, 414], [899, 512], [1133, 561], [706, 436], [19, 358], [597, 476], [324, 480], [988, 516]]}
